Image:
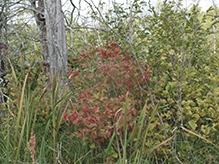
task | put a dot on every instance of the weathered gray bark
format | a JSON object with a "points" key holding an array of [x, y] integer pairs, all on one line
{"points": [[38, 10], [50, 21], [56, 37]]}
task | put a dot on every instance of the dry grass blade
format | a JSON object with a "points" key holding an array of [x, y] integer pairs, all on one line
{"points": [[199, 136], [13, 72], [162, 143]]}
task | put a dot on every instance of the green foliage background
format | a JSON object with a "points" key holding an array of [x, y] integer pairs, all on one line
{"points": [[177, 43]]}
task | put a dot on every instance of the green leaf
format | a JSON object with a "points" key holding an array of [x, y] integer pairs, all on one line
{"points": [[92, 146], [192, 124], [196, 117], [151, 126], [111, 152], [205, 129], [210, 9], [115, 155], [96, 96], [215, 23]]}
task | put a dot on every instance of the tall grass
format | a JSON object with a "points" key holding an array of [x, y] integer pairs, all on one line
{"points": [[26, 116], [139, 148], [40, 109]]}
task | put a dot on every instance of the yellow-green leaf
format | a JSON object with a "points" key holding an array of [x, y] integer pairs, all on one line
{"points": [[201, 151], [151, 126], [92, 145], [196, 117], [205, 129], [96, 95], [192, 124], [115, 155]]}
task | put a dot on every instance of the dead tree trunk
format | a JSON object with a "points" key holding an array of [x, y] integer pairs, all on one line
{"points": [[38, 9], [50, 21], [56, 37]]}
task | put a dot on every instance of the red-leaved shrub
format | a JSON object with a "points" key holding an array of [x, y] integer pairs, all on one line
{"points": [[101, 85]]}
